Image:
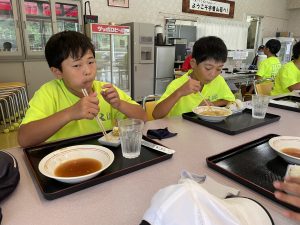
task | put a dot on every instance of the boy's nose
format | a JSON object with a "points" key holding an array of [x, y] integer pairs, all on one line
{"points": [[87, 70]]}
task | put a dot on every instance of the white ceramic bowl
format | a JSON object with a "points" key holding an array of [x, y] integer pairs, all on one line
{"points": [[200, 109], [282, 142], [51, 161]]}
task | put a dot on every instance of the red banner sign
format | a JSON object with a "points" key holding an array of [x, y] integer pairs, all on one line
{"points": [[110, 29]]}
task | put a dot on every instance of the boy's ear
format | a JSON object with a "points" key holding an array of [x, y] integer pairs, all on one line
{"points": [[56, 72], [193, 63]]}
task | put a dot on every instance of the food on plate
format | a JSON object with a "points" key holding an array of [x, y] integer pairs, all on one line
{"points": [[115, 132], [235, 106], [295, 152], [77, 167]]}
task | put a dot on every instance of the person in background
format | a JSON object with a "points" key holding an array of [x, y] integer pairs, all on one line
{"points": [[260, 51], [269, 67], [7, 46], [187, 63], [59, 110], [288, 78], [289, 191], [182, 94]]}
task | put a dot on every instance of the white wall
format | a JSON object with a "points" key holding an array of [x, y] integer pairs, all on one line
{"points": [[294, 20], [154, 11]]}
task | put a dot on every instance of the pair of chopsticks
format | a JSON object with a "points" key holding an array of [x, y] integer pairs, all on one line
{"points": [[85, 93], [206, 102]]}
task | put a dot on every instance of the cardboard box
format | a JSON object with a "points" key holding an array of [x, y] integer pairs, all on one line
{"points": [[284, 34]]}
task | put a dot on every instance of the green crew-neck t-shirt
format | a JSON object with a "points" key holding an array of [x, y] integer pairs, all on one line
{"points": [[217, 89], [288, 75], [269, 67], [53, 97]]}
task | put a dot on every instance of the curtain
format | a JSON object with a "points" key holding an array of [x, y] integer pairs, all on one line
{"points": [[233, 33]]}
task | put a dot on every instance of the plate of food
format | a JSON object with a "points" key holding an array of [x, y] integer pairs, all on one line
{"points": [[212, 113], [77, 163], [111, 139], [287, 147]]}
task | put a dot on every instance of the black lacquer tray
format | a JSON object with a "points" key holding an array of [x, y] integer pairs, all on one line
{"points": [[254, 165], [52, 189], [236, 123], [288, 99]]}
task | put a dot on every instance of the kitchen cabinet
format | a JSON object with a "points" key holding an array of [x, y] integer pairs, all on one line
{"points": [[10, 34], [41, 19], [35, 21], [25, 27]]}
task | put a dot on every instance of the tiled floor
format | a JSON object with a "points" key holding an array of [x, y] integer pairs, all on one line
{"points": [[8, 140]]}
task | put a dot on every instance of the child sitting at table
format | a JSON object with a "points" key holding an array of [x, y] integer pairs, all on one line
{"points": [[59, 110], [183, 94], [288, 78], [269, 67]]}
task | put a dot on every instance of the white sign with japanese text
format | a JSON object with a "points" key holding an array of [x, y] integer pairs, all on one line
{"points": [[210, 6]]}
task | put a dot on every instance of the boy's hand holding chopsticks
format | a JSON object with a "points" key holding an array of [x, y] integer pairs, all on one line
{"points": [[191, 86], [86, 108]]}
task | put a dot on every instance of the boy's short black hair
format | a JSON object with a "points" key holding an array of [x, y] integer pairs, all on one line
{"points": [[64, 44], [261, 47], [209, 47], [273, 45], [296, 50]]}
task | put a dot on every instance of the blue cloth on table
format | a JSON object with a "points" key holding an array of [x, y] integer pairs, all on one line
{"points": [[160, 133]]}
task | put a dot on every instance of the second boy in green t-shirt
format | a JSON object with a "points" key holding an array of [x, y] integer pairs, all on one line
{"points": [[182, 94]]}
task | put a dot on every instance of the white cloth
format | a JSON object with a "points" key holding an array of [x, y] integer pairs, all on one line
{"points": [[189, 203], [285, 103]]}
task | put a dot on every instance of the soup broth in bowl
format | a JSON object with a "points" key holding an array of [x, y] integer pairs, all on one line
{"points": [[287, 147], [76, 163]]}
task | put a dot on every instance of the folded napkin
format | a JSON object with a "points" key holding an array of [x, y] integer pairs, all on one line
{"points": [[196, 201], [285, 103], [160, 133]]}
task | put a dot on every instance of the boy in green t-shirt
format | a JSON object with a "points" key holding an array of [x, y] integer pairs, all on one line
{"points": [[59, 110], [269, 67], [183, 94], [288, 78]]}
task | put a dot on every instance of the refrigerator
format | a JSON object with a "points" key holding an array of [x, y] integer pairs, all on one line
{"points": [[112, 51], [142, 59], [164, 67], [286, 50]]}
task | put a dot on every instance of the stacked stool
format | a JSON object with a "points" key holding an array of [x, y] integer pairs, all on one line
{"points": [[13, 105]]}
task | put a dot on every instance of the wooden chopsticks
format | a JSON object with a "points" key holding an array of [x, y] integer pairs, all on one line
{"points": [[85, 93], [206, 102]]}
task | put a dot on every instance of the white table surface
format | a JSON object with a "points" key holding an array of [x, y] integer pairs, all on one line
{"points": [[123, 201]]}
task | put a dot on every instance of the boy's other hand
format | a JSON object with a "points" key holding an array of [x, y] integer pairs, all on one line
{"points": [[191, 86], [86, 108], [289, 192], [111, 95]]}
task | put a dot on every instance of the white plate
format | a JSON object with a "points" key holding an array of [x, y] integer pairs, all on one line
{"points": [[51, 161], [208, 118], [111, 140], [281, 142]]}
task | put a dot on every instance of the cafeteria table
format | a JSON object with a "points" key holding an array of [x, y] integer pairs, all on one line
{"points": [[123, 200]]}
